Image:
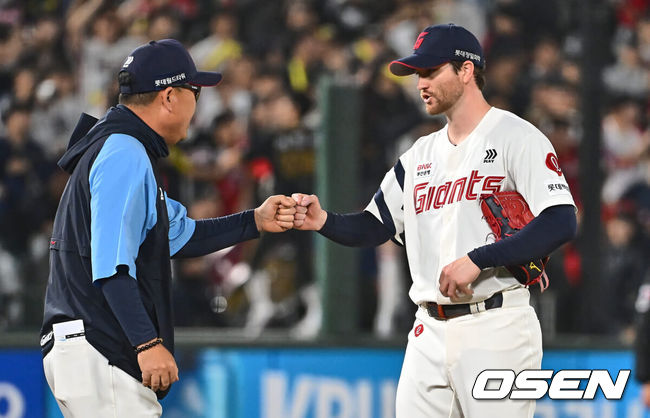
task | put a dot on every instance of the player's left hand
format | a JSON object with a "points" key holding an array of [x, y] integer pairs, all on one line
{"points": [[275, 214], [456, 278]]}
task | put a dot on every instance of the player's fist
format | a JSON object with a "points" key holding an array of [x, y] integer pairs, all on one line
{"points": [[276, 214], [455, 279], [309, 214]]}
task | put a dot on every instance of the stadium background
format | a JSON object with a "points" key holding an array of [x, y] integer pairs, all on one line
{"points": [[290, 325]]}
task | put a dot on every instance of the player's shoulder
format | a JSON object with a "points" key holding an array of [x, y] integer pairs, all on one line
{"points": [[515, 128], [513, 121]]}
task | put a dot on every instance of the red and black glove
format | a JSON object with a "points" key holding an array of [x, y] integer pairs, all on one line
{"points": [[506, 213]]}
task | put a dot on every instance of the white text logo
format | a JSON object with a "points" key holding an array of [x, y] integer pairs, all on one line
{"points": [[532, 384], [169, 80]]}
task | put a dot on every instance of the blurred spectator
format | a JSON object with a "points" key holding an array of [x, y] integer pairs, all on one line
{"points": [[465, 13], [624, 142], [401, 28], [11, 45], [303, 65], [11, 308], [220, 161], [627, 76], [643, 39], [164, 23], [503, 90], [552, 98], [56, 111], [44, 46], [214, 51], [99, 54], [289, 147], [504, 32], [24, 86], [24, 171], [624, 273], [388, 113]]}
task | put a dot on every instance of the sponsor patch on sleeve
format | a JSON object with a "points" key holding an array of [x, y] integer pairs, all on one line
{"points": [[555, 187]]}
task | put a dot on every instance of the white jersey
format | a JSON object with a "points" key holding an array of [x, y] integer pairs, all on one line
{"points": [[430, 198]]}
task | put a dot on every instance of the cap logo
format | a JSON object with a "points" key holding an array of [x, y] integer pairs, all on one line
{"points": [[420, 39], [468, 55], [170, 80], [128, 61]]}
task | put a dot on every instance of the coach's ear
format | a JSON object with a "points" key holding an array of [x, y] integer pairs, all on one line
{"points": [[166, 99]]}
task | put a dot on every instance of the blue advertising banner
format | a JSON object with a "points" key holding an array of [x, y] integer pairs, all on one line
{"points": [[303, 383], [351, 383], [287, 383], [613, 361], [348, 383], [22, 384]]}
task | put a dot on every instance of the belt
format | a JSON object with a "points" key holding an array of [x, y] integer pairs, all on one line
{"points": [[445, 312]]}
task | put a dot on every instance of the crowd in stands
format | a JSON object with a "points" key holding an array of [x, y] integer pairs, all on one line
{"points": [[255, 134]]}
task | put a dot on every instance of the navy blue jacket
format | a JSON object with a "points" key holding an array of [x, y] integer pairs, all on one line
{"points": [[70, 291]]}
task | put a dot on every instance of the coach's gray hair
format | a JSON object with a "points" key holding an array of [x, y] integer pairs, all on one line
{"points": [[137, 99]]}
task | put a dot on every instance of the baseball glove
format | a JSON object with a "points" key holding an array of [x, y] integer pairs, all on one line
{"points": [[506, 213]]}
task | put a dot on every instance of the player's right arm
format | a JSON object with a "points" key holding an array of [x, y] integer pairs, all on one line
{"points": [[359, 229], [383, 218]]}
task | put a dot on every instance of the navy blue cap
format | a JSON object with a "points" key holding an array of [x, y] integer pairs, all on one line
{"points": [[437, 45], [161, 64]]}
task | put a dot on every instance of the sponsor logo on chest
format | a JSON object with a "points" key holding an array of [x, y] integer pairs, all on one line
{"points": [[423, 170]]}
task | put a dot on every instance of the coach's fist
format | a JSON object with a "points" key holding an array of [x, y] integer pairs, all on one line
{"points": [[158, 367], [455, 279], [276, 214], [309, 215]]}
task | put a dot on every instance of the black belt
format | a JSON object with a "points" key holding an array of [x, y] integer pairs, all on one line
{"points": [[444, 312]]}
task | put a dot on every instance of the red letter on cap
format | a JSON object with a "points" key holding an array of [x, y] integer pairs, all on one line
{"points": [[418, 41]]}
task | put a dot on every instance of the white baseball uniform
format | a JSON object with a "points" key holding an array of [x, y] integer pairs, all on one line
{"points": [[430, 200]]}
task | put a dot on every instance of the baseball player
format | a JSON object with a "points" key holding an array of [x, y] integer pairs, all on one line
{"points": [[107, 336], [474, 315]]}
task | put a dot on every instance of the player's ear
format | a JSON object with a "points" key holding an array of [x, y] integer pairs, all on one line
{"points": [[467, 71]]}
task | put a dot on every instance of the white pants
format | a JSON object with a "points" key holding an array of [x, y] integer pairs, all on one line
{"points": [[443, 361], [85, 385]]}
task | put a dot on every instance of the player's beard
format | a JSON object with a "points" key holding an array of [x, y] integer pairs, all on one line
{"points": [[445, 98]]}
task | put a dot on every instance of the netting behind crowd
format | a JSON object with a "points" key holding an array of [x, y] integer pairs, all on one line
{"points": [[254, 135]]}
